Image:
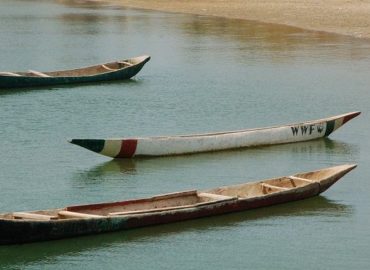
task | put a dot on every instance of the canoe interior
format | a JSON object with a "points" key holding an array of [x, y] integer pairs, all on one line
{"points": [[87, 71], [159, 203], [166, 202], [246, 191], [321, 174]]}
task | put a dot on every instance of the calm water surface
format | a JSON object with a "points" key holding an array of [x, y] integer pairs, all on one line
{"points": [[206, 74]]}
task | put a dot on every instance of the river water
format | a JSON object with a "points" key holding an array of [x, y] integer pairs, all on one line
{"points": [[206, 74]]}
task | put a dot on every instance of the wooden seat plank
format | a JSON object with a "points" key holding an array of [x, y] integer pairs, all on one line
{"points": [[25, 215], [108, 68], [301, 179], [38, 73], [70, 214], [125, 63], [272, 186], [214, 196], [6, 73]]}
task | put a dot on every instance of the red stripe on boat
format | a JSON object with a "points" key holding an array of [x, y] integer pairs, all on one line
{"points": [[128, 148], [349, 117]]}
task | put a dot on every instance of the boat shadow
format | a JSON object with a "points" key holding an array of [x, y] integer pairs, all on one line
{"points": [[84, 3], [133, 166], [18, 256], [23, 90]]}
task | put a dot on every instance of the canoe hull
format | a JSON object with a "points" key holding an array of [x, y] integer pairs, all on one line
{"points": [[33, 81], [24, 231], [178, 145], [20, 232]]}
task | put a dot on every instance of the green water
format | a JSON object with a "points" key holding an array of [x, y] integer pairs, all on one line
{"points": [[206, 74]]}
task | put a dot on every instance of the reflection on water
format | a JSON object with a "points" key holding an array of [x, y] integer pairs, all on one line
{"points": [[83, 3], [279, 43], [325, 147], [21, 255], [96, 174], [262, 38]]}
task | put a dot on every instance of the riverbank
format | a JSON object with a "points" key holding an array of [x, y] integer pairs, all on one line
{"points": [[347, 17]]}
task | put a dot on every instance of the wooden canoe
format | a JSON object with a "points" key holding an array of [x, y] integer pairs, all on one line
{"points": [[188, 144], [71, 221], [117, 70]]}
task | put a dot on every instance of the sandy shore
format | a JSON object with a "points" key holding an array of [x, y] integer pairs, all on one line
{"points": [[348, 17]]}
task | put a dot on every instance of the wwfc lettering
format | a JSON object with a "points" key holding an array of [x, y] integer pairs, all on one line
{"points": [[307, 129]]}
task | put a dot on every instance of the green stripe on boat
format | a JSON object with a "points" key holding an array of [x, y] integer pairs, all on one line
{"points": [[91, 144], [329, 127]]}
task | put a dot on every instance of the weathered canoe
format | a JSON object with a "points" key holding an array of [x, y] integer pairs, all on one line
{"points": [[118, 70], [188, 144], [22, 227]]}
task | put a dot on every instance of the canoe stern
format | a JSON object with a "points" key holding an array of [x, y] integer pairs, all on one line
{"points": [[334, 124], [327, 177], [326, 183]]}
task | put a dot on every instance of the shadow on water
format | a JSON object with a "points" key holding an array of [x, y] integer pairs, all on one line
{"points": [[20, 255], [323, 146], [83, 3], [24, 90]]}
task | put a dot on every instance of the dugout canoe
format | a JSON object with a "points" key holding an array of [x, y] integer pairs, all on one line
{"points": [[71, 221], [189, 144], [117, 70]]}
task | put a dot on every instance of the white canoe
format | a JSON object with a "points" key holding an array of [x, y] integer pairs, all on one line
{"points": [[188, 144]]}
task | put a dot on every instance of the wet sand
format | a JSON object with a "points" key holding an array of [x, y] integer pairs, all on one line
{"points": [[347, 17]]}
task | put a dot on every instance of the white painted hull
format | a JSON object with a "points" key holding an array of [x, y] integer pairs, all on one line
{"points": [[194, 144], [188, 144]]}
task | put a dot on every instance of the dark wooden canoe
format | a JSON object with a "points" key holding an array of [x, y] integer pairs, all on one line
{"points": [[118, 70], [196, 143], [22, 227]]}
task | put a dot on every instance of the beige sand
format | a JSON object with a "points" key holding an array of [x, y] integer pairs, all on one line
{"points": [[348, 17]]}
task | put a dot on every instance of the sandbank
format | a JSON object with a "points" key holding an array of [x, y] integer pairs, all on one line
{"points": [[346, 17]]}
